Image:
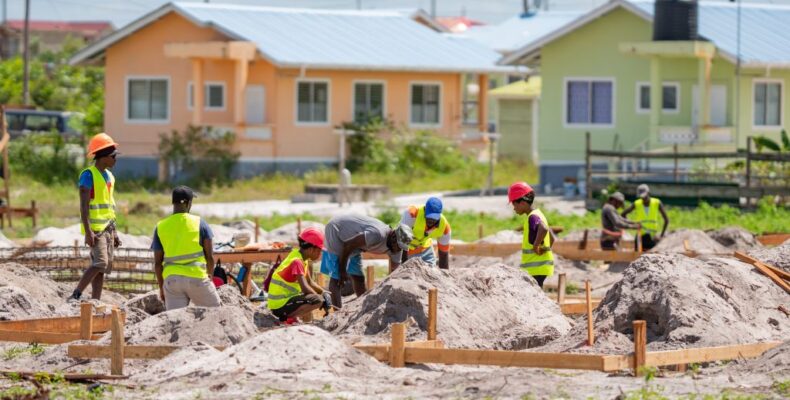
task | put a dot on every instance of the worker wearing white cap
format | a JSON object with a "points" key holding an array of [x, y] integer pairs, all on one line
{"points": [[612, 224], [646, 210]]}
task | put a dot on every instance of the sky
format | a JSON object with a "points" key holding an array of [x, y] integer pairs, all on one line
{"points": [[121, 12]]}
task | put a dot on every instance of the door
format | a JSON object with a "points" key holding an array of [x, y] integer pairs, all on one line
{"points": [[255, 99], [718, 105]]}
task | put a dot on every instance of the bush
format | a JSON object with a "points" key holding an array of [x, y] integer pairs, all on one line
{"points": [[46, 157], [199, 156]]}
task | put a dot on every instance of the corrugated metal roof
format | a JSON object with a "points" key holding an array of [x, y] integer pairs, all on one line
{"points": [[519, 30], [382, 40]]}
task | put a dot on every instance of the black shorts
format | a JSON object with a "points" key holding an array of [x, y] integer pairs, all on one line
{"points": [[608, 244], [294, 303]]}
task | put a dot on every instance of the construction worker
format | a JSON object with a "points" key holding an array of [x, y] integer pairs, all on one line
{"points": [[97, 213], [291, 294], [428, 223], [612, 224], [347, 236], [646, 210], [183, 256], [536, 256]]}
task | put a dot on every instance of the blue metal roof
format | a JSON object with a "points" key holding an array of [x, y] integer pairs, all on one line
{"points": [[382, 40], [519, 30]]}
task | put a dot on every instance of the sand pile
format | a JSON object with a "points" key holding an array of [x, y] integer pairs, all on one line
{"points": [[778, 256], [149, 303], [288, 232], [6, 242], [506, 236], [594, 235], [697, 240], [489, 307], [735, 238], [686, 302], [65, 237], [774, 362]]}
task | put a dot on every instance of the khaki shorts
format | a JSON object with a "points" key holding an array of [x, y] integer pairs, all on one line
{"points": [[102, 252], [180, 290]]}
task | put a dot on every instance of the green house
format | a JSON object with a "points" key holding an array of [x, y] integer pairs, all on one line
{"points": [[603, 74]]}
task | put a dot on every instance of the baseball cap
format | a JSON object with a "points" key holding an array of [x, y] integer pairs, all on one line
{"points": [[404, 236], [183, 194], [642, 190], [617, 196], [433, 208]]}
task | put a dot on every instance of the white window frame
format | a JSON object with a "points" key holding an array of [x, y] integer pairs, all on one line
{"points": [[328, 101], [127, 80], [566, 124], [641, 84], [441, 104], [206, 84], [383, 84], [781, 83]]}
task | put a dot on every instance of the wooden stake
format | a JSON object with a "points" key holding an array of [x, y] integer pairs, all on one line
{"points": [[590, 332], [370, 277], [561, 289], [583, 243], [298, 225], [640, 346], [257, 228], [247, 285], [86, 321], [479, 231], [639, 240], [398, 345], [764, 269], [686, 245], [116, 361], [433, 294], [76, 247]]}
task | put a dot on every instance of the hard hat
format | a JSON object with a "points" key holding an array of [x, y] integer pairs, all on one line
{"points": [[100, 142], [313, 236], [433, 208], [404, 236], [517, 191]]}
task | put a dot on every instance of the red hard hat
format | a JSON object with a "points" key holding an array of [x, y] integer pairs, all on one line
{"points": [[313, 236], [517, 191]]}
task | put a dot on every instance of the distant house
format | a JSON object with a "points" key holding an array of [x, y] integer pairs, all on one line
{"points": [[48, 35], [603, 74], [281, 79]]}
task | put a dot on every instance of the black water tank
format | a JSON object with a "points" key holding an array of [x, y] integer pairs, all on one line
{"points": [[675, 20]]}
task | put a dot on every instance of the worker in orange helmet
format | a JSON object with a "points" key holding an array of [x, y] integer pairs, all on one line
{"points": [[536, 256], [97, 213]]}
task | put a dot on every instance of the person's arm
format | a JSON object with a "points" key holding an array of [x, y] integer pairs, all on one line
{"points": [[349, 246], [306, 288], [552, 237], [208, 253], [619, 221], [666, 219], [85, 199], [159, 257], [310, 281], [393, 265], [543, 230], [628, 210], [444, 247]]}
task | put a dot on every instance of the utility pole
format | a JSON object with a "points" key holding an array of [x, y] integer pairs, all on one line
{"points": [[26, 39]]}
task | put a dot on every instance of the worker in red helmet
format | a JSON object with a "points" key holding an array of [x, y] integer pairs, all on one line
{"points": [[291, 295], [536, 256]]}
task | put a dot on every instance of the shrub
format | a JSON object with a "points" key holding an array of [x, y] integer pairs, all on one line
{"points": [[199, 156], [46, 157]]}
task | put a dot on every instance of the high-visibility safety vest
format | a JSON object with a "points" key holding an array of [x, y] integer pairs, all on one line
{"points": [[180, 237], [421, 240], [101, 209], [281, 290], [650, 221], [531, 262]]}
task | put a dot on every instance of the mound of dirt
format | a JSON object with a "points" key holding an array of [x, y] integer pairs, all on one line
{"points": [[778, 256], [496, 307], [288, 232], [775, 362], [65, 237], [593, 235], [150, 303], [697, 240], [6, 242], [506, 236], [735, 238], [225, 325], [686, 302]]}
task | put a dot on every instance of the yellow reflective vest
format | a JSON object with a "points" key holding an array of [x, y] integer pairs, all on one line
{"points": [[101, 209], [649, 221], [281, 290], [532, 263], [421, 240], [180, 237]]}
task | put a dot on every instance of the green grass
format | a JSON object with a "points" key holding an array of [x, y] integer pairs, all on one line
{"points": [[18, 351]]}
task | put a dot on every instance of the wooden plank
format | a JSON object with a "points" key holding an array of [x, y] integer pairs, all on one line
{"points": [[381, 352], [561, 289], [40, 337], [67, 376], [640, 346], [774, 239], [485, 249], [577, 308], [243, 257], [507, 358], [590, 328], [751, 260], [246, 286], [433, 299], [762, 268], [142, 352], [617, 363], [398, 345], [86, 321], [117, 348], [370, 277], [707, 354], [101, 323]]}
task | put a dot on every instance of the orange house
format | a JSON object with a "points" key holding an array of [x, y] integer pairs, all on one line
{"points": [[281, 79]]}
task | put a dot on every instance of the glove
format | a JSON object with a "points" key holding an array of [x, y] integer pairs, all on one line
{"points": [[327, 302]]}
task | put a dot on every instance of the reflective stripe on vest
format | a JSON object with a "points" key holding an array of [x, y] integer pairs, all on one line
{"points": [[650, 221], [101, 209], [421, 240], [180, 238], [279, 289], [531, 262]]}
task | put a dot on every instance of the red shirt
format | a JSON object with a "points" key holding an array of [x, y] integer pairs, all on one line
{"points": [[292, 273]]}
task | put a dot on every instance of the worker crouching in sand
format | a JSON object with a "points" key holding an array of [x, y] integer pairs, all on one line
{"points": [[536, 256], [428, 223], [291, 293], [183, 256]]}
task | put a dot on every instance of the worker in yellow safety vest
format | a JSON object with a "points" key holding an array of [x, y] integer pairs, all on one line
{"points": [[184, 256], [291, 294], [97, 214], [646, 210], [536, 256], [428, 223]]}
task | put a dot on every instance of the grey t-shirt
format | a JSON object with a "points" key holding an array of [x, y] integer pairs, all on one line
{"points": [[344, 227], [611, 220]]}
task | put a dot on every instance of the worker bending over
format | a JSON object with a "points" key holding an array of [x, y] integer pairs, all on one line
{"points": [[646, 211], [97, 214], [428, 223], [292, 294], [183, 256], [347, 236], [536, 256], [612, 223]]}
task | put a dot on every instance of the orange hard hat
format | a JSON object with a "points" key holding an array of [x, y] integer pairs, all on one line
{"points": [[313, 236], [100, 142], [517, 191]]}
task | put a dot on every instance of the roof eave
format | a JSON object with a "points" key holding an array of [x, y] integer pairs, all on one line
{"points": [[408, 68]]}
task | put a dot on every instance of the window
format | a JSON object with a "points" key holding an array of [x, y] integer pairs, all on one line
{"points": [[767, 103], [425, 104], [147, 99], [589, 102], [312, 102], [368, 101], [670, 97], [213, 95]]}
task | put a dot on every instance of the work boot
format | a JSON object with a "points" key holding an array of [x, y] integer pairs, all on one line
{"points": [[75, 295]]}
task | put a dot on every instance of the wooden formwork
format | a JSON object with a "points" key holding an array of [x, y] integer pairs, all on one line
{"points": [[57, 330]]}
